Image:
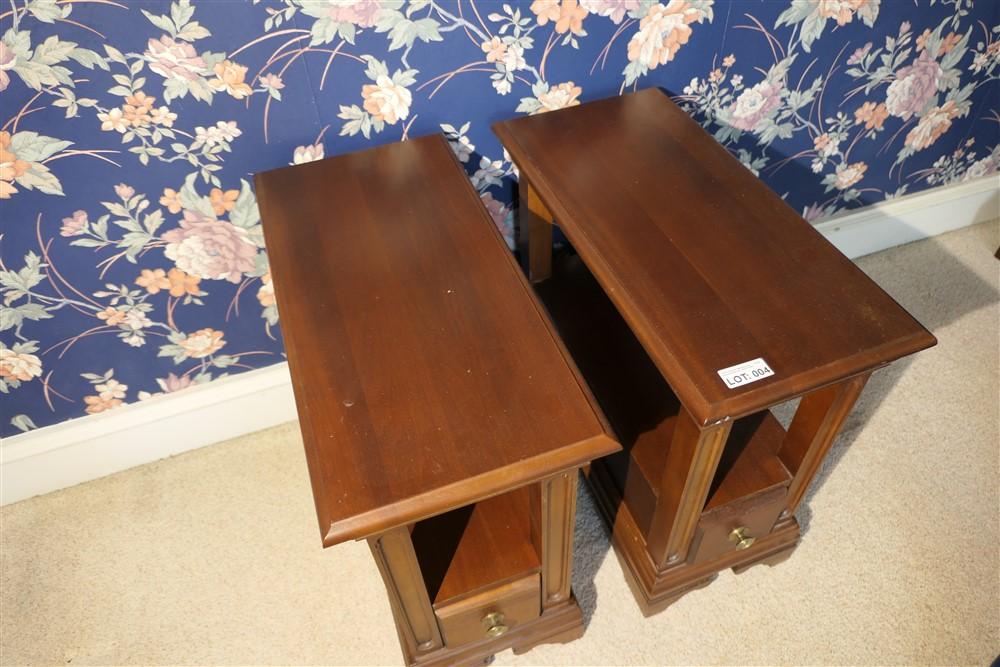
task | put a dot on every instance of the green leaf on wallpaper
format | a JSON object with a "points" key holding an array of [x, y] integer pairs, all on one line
{"points": [[87, 243], [46, 11], [33, 147], [152, 221], [115, 209], [35, 75], [261, 265], [40, 178], [193, 31], [190, 199], [798, 10], [89, 59], [164, 23], [181, 12], [22, 423], [224, 360], [404, 32], [376, 68], [12, 317], [53, 51], [173, 89], [200, 90], [416, 6], [245, 213], [323, 31], [18, 284], [811, 29], [114, 54]]}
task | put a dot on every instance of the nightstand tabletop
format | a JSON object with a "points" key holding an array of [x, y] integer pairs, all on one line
{"points": [[709, 267], [426, 374]]}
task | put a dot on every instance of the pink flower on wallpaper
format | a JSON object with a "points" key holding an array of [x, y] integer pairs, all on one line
{"points": [[7, 62], [559, 97], [812, 212], [169, 385], [74, 225], [386, 100], [202, 343], [841, 10], [19, 366], [859, 54], [545, 10], [914, 86], [362, 13], [209, 248], [935, 123], [662, 31], [849, 174], [613, 9], [983, 167], [498, 211], [266, 292], [172, 383], [174, 60], [755, 104]]}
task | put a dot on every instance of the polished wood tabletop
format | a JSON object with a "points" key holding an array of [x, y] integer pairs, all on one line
{"points": [[709, 267], [426, 374]]}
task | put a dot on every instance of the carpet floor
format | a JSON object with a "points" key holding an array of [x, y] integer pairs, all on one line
{"points": [[213, 557]]}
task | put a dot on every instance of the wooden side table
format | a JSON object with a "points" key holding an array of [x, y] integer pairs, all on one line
{"points": [[699, 300], [443, 421]]}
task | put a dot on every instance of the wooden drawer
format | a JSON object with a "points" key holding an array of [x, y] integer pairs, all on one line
{"points": [[756, 515], [510, 604]]}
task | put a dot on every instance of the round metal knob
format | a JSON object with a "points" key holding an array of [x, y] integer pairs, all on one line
{"points": [[494, 622], [740, 537]]}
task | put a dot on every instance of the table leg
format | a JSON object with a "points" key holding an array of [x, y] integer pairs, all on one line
{"points": [[817, 421], [691, 464], [535, 234], [557, 512], [397, 561]]}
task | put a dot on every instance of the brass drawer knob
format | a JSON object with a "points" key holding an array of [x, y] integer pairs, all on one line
{"points": [[494, 622], [740, 537]]}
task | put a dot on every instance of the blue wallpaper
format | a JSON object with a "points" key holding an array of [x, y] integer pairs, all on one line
{"points": [[133, 263]]}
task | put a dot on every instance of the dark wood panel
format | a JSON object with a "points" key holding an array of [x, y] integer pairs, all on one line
{"points": [[709, 267], [425, 373]]}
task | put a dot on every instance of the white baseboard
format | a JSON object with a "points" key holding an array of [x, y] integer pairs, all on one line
{"points": [[82, 449], [78, 450], [914, 217]]}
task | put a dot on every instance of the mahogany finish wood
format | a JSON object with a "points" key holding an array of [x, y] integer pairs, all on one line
{"points": [[687, 265], [442, 417], [708, 266]]}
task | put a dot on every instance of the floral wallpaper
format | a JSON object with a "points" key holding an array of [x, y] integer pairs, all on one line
{"points": [[133, 263]]}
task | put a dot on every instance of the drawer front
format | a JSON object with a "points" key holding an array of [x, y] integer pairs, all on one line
{"points": [[492, 613], [717, 531]]}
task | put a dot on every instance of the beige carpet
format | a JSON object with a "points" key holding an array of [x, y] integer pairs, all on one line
{"points": [[214, 557]]}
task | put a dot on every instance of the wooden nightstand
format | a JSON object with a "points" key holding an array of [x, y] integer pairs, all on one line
{"points": [[699, 300], [442, 419]]}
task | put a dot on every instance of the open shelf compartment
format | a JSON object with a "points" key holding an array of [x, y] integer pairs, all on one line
{"points": [[478, 546], [640, 405]]}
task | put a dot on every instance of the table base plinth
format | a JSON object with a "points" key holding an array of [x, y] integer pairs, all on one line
{"points": [[655, 588]]}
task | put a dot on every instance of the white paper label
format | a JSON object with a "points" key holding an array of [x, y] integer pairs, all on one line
{"points": [[745, 373]]}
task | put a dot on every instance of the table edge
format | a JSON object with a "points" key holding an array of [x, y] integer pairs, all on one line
{"points": [[469, 490]]}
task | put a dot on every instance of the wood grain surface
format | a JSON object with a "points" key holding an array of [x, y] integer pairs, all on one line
{"points": [[709, 267], [426, 374]]}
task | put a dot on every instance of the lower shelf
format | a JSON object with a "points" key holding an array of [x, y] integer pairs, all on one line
{"points": [[477, 547]]}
